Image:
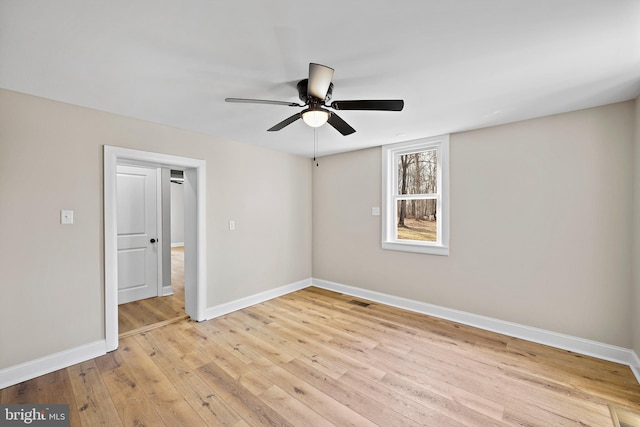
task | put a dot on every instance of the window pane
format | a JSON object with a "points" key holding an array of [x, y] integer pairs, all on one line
{"points": [[417, 173], [417, 220]]}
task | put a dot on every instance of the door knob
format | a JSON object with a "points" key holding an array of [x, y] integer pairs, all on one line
{"points": [[152, 240]]}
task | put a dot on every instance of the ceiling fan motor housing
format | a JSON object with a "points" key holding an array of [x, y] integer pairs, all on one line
{"points": [[302, 92]]}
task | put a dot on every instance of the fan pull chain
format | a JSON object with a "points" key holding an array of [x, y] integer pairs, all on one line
{"points": [[315, 145]]}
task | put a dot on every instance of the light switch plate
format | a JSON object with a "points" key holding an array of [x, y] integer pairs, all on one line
{"points": [[66, 217]]}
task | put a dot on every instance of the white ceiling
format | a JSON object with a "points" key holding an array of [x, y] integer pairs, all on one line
{"points": [[458, 64]]}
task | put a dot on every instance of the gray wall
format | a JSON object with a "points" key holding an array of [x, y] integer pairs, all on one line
{"points": [[53, 275], [541, 213], [177, 213]]}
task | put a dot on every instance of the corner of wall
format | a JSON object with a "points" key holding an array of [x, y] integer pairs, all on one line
{"points": [[635, 261]]}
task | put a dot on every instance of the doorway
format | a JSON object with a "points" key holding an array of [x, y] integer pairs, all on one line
{"points": [[194, 183], [140, 215]]}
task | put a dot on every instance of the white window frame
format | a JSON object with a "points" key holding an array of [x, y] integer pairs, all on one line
{"points": [[390, 155]]}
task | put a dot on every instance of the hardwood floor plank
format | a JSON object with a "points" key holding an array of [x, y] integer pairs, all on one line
{"points": [[578, 369], [452, 380], [322, 346], [175, 410], [445, 406], [205, 350], [316, 357], [292, 409], [53, 388], [249, 406], [133, 405], [325, 405], [150, 378], [330, 362], [271, 350], [168, 402], [306, 348], [305, 351], [546, 385], [387, 397], [312, 318], [211, 408], [358, 401], [93, 401], [229, 341]]}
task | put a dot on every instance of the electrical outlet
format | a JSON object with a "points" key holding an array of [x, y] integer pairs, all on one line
{"points": [[66, 217], [232, 225], [375, 211]]}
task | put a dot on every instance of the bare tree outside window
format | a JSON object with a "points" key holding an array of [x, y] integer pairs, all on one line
{"points": [[415, 197], [418, 180]]}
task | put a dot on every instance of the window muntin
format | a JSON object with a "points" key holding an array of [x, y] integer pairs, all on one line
{"points": [[415, 199]]}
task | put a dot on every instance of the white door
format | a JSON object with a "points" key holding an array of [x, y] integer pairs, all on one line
{"points": [[136, 199]]}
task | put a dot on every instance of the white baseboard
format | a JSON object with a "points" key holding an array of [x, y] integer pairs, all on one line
{"points": [[44, 365], [635, 365], [222, 309], [177, 244], [565, 342], [167, 290]]}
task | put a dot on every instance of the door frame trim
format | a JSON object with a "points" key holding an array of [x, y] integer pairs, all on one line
{"points": [[194, 238]]}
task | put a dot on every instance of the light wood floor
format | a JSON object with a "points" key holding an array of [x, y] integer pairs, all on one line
{"points": [[318, 358], [139, 315]]}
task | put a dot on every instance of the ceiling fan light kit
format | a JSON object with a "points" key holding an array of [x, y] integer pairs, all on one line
{"points": [[315, 92], [315, 118]]}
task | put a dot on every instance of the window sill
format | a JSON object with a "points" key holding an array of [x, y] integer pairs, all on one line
{"points": [[416, 248]]}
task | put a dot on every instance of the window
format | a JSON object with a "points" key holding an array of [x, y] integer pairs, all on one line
{"points": [[415, 182]]}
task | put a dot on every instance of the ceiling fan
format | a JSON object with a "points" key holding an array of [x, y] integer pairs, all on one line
{"points": [[316, 92]]}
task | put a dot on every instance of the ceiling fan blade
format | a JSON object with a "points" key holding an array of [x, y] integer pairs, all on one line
{"points": [[371, 104], [285, 122], [263, 101], [340, 125], [319, 80]]}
